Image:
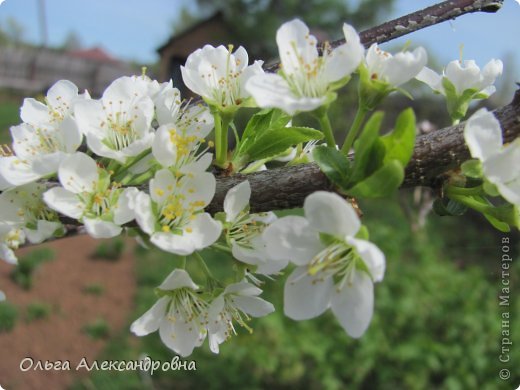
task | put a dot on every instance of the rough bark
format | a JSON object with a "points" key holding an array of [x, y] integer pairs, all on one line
{"points": [[435, 153]]}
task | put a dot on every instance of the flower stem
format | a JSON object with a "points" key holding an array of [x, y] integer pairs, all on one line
{"points": [[220, 247], [221, 137], [203, 265], [354, 129], [326, 128], [182, 265], [454, 190]]}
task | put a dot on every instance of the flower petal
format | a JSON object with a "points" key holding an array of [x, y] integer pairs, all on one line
{"points": [[254, 306], [372, 256], [78, 173], [44, 230], [178, 278], [483, 134], [292, 238], [236, 200], [150, 321], [306, 296], [329, 213], [180, 336], [64, 201], [431, 78], [144, 213], [353, 305], [98, 228]]}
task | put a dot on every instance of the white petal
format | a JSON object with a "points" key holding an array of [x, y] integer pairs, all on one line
{"points": [[344, 59], [162, 148], [124, 209], [178, 278], [61, 95], [199, 165], [236, 200], [328, 212], [372, 256], [204, 232], [510, 191], [254, 306], [483, 134], [144, 213], [149, 322], [2, 296], [89, 115], [404, 66], [44, 230], [306, 296], [353, 305], [98, 228], [243, 289], [17, 172], [78, 173], [199, 187], [491, 71], [64, 201], [463, 76], [162, 185], [296, 45], [180, 336], [72, 137], [292, 238], [7, 254], [431, 78], [34, 112], [272, 91]]}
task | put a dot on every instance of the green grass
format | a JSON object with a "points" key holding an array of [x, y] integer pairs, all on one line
{"points": [[37, 311], [436, 322], [8, 316], [110, 250], [98, 329], [27, 265], [9, 116], [94, 289]]}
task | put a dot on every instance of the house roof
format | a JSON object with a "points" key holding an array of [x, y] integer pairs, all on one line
{"points": [[95, 54], [217, 16]]}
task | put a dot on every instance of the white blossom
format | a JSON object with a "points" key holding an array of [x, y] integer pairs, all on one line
{"points": [[49, 133], [244, 231], [219, 76], [335, 269], [24, 207], [119, 125], [464, 75], [11, 237], [172, 214], [500, 162], [87, 195], [394, 69], [306, 78], [179, 315], [236, 304]]}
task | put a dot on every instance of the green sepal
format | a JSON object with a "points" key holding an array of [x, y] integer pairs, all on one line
{"points": [[448, 207], [472, 168]]}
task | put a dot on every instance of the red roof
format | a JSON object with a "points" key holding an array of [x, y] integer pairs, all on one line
{"points": [[94, 54]]}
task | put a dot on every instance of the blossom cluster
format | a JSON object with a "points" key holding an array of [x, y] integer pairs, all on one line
{"points": [[139, 159]]}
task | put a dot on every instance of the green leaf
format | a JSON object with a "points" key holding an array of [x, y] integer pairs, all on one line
{"points": [[400, 142], [364, 146], [497, 224], [259, 123], [334, 164], [472, 168], [381, 183], [448, 207], [275, 141]]}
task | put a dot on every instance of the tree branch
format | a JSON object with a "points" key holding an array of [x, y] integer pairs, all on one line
{"points": [[434, 154], [418, 20]]}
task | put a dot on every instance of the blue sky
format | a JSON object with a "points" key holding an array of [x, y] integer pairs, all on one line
{"points": [[133, 29]]}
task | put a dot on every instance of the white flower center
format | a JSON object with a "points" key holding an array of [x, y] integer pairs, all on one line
{"points": [[230, 313], [244, 230], [174, 214], [186, 305], [120, 130], [308, 80], [338, 260], [225, 90]]}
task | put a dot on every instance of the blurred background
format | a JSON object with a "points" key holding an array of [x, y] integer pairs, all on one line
{"points": [[437, 321]]}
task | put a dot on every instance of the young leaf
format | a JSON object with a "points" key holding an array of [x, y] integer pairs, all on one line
{"points": [[472, 168], [259, 123], [381, 183], [275, 141], [363, 147], [400, 142], [334, 164]]}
